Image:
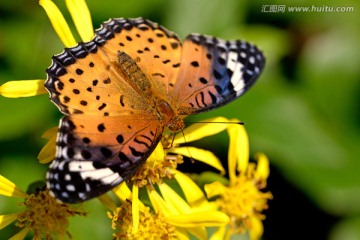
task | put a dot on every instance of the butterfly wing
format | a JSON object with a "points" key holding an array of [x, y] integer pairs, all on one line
{"points": [[155, 49], [87, 79], [214, 72], [93, 155]]}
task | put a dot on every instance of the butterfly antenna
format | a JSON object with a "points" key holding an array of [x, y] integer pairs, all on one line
{"points": [[172, 140], [238, 123], [191, 158]]}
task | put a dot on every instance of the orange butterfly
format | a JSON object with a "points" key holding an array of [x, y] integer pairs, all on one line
{"points": [[120, 90]]}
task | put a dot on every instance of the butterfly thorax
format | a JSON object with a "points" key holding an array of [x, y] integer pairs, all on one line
{"points": [[141, 83], [168, 116]]}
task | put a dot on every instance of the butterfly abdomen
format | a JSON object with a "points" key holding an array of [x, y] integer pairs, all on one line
{"points": [[134, 75]]}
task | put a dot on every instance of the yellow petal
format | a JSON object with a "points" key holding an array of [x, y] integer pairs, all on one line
{"points": [[81, 16], [108, 202], [23, 88], [174, 200], [219, 234], [153, 195], [157, 155], [256, 230], [48, 134], [47, 153], [159, 204], [181, 234], [58, 22], [200, 130], [201, 155], [238, 149], [20, 235], [9, 189], [232, 156], [199, 219], [243, 149], [214, 189], [135, 209], [122, 192], [193, 194], [262, 170], [198, 232], [7, 219]]}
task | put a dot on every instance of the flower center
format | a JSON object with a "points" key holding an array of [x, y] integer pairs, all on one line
{"points": [[243, 199], [45, 216], [155, 169], [151, 226]]}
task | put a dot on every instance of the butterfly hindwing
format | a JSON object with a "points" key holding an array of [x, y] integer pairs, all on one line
{"points": [[94, 155], [214, 72]]}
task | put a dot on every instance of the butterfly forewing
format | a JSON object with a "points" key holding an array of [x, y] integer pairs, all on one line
{"points": [[214, 72], [95, 154], [87, 78], [155, 49], [82, 80]]}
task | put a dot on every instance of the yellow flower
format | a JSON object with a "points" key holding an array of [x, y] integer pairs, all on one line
{"points": [[242, 199], [172, 217], [41, 214], [157, 167]]}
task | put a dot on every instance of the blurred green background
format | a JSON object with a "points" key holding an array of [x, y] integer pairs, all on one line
{"points": [[303, 113]]}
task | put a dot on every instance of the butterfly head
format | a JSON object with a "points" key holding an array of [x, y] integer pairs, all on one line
{"points": [[168, 115], [176, 124]]}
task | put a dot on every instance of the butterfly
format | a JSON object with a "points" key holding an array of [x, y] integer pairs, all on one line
{"points": [[120, 90]]}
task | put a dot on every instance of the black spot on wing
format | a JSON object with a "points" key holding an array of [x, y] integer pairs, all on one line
{"points": [[101, 127]]}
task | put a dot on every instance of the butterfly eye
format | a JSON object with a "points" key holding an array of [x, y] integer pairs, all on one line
{"points": [[177, 124]]}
